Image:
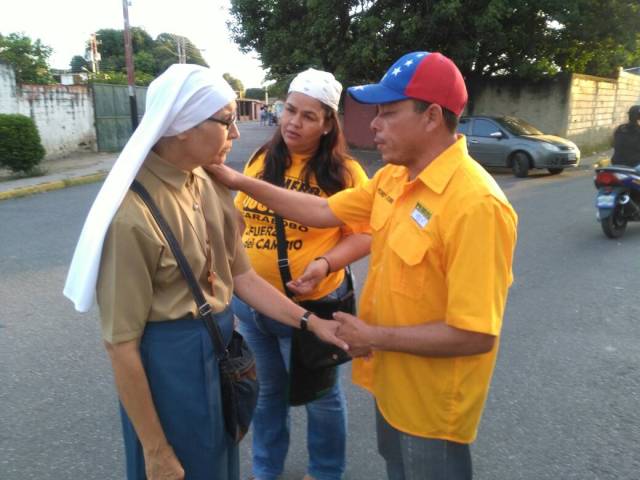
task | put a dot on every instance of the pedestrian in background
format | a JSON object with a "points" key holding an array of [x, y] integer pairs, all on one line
{"points": [[443, 237], [264, 115]]}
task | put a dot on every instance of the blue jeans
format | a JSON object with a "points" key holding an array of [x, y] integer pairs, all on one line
{"points": [[270, 341], [417, 458]]}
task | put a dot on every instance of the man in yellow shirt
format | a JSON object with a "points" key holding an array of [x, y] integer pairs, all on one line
{"points": [[443, 236]]}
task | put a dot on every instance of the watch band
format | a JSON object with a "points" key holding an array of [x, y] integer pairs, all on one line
{"points": [[304, 320]]}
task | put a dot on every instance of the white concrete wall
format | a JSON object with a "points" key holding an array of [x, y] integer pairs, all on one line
{"points": [[598, 105], [583, 108], [544, 104], [8, 96], [63, 114]]}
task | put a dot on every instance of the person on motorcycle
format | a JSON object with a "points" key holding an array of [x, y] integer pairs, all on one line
{"points": [[626, 140]]}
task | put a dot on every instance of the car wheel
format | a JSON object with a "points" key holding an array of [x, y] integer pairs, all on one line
{"points": [[555, 171], [615, 224], [520, 164]]}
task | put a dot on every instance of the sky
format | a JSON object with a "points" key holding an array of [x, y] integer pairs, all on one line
{"points": [[65, 26]]}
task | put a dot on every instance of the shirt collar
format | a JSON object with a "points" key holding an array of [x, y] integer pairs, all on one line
{"points": [[169, 173], [437, 174], [297, 159]]}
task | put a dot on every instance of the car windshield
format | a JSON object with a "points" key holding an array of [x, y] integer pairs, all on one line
{"points": [[518, 126]]}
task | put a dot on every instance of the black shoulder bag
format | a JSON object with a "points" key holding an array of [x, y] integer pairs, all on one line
{"points": [[312, 370], [237, 366]]}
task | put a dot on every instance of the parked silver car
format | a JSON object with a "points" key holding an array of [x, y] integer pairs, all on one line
{"points": [[512, 142]]}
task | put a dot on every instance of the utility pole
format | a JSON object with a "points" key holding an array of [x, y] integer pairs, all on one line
{"points": [[181, 47], [94, 55], [128, 55]]}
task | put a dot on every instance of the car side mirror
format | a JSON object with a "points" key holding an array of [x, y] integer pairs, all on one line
{"points": [[498, 135]]}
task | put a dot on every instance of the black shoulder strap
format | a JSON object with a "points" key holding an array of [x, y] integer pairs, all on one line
{"points": [[283, 257], [281, 237], [204, 309]]}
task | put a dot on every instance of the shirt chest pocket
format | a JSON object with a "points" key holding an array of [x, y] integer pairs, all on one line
{"points": [[409, 246]]}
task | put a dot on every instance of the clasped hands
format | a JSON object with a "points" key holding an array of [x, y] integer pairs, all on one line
{"points": [[345, 328], [347, 332], [355, 333]]}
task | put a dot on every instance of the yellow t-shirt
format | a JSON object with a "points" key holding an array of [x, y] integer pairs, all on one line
{"points": [[442, 250], [304, 243]]}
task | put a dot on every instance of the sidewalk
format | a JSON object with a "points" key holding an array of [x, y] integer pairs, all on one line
{"points": [[89, 167], [76, 169]]}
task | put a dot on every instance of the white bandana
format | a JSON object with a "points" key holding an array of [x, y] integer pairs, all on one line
{"points": [[318, 84], [179, 99]]}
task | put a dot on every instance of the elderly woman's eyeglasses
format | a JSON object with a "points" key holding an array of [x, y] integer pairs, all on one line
{"points": [[227, 122]]}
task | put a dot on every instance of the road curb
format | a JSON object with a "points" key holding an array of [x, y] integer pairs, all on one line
{"points": [[53, 185]]}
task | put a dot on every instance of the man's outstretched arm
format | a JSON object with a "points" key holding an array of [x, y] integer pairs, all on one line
{"points": [[300, 207]]}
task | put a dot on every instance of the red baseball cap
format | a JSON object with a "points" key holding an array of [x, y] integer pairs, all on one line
{"points": [[430, 77]]}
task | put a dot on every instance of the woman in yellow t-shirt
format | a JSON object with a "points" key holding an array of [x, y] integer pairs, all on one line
{"points": [[310, 149]]}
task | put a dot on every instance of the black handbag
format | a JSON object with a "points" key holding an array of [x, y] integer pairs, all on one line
{"points": [[236, 363], [318, 354], [312, 369]]}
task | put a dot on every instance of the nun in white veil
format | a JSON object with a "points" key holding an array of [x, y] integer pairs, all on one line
{"points": [[164, 365]]}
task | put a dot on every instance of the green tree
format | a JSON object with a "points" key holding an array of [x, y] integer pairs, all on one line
{"points": [[597, 36], [357, 40], [279, 89], [254, 93], [145, 62], [29, 59], [111, 48], [166, 49], [150, 57], [234, 82]]}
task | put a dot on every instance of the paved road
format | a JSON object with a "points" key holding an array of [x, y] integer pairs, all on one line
{"points": [[565, 394]]}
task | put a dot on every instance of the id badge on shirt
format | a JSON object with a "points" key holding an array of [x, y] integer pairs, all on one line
{"points": [[421, 215]]}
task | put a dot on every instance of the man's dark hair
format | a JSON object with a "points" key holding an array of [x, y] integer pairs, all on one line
{"points": [[450, 118]]}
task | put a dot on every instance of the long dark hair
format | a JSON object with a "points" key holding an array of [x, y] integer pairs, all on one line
{"points": [[327, 163]]}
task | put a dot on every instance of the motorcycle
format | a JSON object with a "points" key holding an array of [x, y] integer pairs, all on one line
{"points": [[618, 198]]}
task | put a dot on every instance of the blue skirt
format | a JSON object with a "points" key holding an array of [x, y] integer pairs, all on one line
{"points": [[183, 375]]}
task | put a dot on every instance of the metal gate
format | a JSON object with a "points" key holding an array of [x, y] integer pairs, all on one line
{"points": [[113, 114]]}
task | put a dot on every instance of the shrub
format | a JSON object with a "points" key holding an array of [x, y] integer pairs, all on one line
{"points": [[20, 146]]}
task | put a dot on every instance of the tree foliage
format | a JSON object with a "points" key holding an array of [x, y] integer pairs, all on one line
{"points": [[28, 58], [235, 83], [166, 51], [150, 57], [358, 40], [255, 93]]}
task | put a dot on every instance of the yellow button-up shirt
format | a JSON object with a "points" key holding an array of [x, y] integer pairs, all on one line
{"points": [[442, 250], [139, 279]]}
